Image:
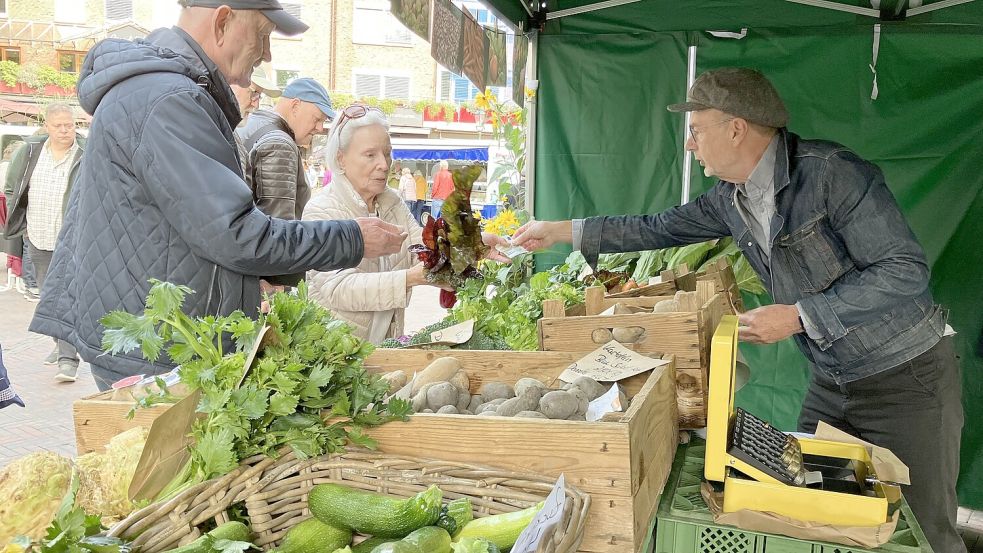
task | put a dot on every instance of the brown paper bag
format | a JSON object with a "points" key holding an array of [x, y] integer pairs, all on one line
{"points": [[868, 537]]}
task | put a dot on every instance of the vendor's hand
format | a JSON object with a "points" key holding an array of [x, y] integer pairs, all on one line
{"points": [[417, 276], [492, 241], [769, 324], [379, 237], [539, 235]]}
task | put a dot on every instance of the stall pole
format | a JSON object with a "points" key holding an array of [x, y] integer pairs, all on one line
{"points": [[532, 74]]}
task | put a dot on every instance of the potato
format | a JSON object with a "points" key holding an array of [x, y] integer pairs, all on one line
{"points": [[441, 370], [488, 413], [627, 334], [530, 415], [447, 410], [577, 417], [463, 400], [441, 394], [396, 379], [558, 404], [601, 335], [461, 380], [593, 388], [666, 306], [496, 390], [527, 382], [430, 411], [582, 399], [528, 401], [493, 404], [420, 402], [467, 412], [476, 401]]}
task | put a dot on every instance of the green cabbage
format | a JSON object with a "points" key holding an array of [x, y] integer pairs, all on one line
{"points": [[31, 489]]}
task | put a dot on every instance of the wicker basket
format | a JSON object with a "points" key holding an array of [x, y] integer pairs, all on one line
{"points": [[274, 494]]}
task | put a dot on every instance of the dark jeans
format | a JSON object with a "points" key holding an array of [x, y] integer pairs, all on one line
{"points": [[915, 410], [416, 208], [27, 266], [42, 260]]}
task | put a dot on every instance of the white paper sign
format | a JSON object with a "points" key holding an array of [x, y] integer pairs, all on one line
{"points": [[610, 363], [612, 401], [457, 334], [549, 517]]}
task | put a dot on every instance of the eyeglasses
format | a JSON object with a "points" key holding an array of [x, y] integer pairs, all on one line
{"points": [[693, 131], [254, 94], [354, 111]]}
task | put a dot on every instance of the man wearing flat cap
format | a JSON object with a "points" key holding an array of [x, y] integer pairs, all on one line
{"points": [[849, 279], [160, 193]]}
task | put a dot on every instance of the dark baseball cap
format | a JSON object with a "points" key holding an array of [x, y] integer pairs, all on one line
{"points": [[738, 91], [309, 90], [284, 22]]}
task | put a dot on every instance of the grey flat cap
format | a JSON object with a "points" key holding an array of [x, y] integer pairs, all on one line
{"points": [[284, 22], [738, 91]]}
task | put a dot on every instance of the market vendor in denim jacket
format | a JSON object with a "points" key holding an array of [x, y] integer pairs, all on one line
{"points": [[849, 279]]}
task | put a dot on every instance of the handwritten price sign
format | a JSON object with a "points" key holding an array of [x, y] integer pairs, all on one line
{"points": [[610, 363]]}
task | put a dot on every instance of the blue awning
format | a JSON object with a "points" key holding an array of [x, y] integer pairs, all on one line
{"points": [[462, 154]]}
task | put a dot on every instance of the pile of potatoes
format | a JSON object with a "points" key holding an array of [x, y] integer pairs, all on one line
{"points": [[443, 387]]}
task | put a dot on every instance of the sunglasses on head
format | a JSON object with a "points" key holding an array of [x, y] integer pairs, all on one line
{"points": [[354, 111]]}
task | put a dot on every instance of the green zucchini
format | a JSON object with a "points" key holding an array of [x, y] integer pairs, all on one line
{"points": [[429, 539], [374, 514], [232, 531], [460, 511], [368, 545], [502, 530], [314, 536], [475, 545]]}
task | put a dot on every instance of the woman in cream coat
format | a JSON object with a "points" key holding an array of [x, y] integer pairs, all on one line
{"points": [[373, 296]]}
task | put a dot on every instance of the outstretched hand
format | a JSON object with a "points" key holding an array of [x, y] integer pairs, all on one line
{"points": [[539, 235], [769, 324]]}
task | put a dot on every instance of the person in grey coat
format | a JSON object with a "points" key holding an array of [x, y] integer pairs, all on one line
{"points": [[160, 193]]}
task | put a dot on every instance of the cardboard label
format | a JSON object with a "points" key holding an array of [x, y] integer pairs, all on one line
{"points": [[549, 517], [612, 401], [452, 335], [610, 363]]}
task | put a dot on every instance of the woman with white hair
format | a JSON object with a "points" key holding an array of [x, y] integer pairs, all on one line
{"points": [[373, 296]]}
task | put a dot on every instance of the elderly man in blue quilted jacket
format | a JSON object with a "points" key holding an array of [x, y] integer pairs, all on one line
{"points": [[160, 192], [849, 279]]}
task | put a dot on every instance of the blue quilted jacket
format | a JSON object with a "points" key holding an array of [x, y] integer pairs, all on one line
{"points": [[160, 195]]}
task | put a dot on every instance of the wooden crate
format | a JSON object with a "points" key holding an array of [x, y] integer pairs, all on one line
{"points": [[622, 463], [722, 275], [685, 334], [98, 418]]}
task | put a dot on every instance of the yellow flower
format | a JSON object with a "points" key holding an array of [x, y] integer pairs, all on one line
{"points": [[483, 100], [530, 93], [503, 224]]}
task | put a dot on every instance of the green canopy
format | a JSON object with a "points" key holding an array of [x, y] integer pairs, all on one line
{"points": [[901, 85]]}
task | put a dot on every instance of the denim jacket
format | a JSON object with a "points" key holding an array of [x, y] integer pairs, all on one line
{"points": [[841, 248]]}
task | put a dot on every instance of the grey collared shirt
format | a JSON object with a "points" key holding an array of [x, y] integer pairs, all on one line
{"points": [[755, 201]]}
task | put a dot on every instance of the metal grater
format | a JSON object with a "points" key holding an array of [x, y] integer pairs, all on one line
{"points": [[766, 448]]}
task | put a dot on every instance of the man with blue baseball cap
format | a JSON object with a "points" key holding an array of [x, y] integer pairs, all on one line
{"points": [[272, 160]]}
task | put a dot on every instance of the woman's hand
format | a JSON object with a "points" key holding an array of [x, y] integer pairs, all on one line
{"points": [[492, 241], [417, 276]]}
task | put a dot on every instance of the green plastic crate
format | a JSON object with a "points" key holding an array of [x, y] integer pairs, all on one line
{"points": [[684, 523]]}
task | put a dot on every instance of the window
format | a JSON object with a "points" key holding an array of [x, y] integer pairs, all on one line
{"points": [[379, 85], [374, 24], [3, 8], [285, 76], [70, 61], [119, 10], [10, 53], [69, 11]]}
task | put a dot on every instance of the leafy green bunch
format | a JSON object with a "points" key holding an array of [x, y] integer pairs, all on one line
{"points": [[309, 366]]}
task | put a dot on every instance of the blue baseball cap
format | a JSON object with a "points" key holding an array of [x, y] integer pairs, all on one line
{"points": [[309, 90], [285, 22]]}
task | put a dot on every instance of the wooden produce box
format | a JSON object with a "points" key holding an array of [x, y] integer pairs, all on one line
{"points": [[684, 334], [721, 274], [622, 463], [98, 418]]}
